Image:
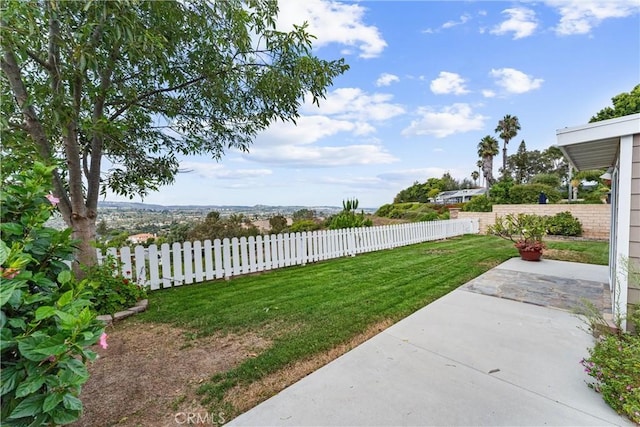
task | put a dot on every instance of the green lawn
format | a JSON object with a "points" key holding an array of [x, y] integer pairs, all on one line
{"points": [[306, 310]]}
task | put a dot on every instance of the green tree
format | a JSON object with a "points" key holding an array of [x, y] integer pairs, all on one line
{"points": [[519, 164], [507, 129], [623, 105], [487, 149], [141, 83], [303, 214], [277, 223], [475, 175]]}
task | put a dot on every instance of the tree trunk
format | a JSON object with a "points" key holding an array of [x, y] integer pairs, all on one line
{"points": [[84, 231], [504, 159]]}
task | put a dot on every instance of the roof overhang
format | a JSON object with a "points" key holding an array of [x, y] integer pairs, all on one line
{"points": [[595, 145]]}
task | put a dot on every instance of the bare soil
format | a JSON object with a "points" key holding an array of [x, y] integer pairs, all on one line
{"points": [[149, 374]]}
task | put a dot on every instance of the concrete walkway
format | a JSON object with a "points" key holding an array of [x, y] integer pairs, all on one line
{"points": [[493, 352]]}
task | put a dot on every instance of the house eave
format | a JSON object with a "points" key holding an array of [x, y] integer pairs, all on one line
{"points": [[596, 145]]}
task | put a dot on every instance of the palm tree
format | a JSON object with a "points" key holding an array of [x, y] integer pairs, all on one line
{"points": [[487, 148], [507, 129], [479, 165], [475, 175]]}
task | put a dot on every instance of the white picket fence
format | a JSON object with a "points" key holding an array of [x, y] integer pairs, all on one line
{"points": [[194, 262]]}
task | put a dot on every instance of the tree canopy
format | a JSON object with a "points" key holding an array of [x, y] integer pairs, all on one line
{"points": [[140, 83], [623, 105]]}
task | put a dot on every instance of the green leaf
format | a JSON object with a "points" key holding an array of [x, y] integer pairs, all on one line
{"points": [[29, 407], [52, 401], [76, 366], [8, 378], [68, 320], [65, 299], [4, 252], [71, 402], [12, 228], [6, 290], [64, 277], [18, 323], [64, 416], [45, 312], [52, 346], [30, 385], [27, 346]]}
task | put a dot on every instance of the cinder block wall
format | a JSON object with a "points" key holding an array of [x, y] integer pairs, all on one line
{"points": [[595, 219]]}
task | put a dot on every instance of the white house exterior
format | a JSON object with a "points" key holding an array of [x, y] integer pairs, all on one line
{"points": [[614, 145]]}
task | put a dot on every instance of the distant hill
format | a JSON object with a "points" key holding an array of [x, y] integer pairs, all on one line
{"points": [[221, 208]]}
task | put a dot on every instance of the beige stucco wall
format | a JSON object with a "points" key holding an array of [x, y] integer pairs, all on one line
{"points": [[595, 219]]}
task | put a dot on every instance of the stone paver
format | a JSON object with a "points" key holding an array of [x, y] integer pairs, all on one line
{"points": [[541, 289]]}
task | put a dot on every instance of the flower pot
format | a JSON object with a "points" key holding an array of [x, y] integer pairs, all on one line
{"points": [[531, 255]]}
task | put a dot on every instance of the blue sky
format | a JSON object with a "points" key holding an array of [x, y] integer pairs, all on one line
{"points": [[428, 80]]}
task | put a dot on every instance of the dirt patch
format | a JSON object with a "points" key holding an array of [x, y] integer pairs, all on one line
{"points": [[437, 251], [150, 372], [243, 398]]}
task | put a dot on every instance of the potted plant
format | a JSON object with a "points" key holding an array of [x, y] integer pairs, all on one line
{"points": [[526, 231]]}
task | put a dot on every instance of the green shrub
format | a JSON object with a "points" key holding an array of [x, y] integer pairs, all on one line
{"points": [[47, 324], [429, 216], [478, 204], [304, 225], [112, 292], [614, 364], [529, 193], [384, 210], [564, 224]]}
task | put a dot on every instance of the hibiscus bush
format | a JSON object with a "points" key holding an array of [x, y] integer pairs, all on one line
{"points": [[111, 290], [47, 322]]}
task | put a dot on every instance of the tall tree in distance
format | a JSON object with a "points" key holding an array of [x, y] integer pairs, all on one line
{"points": [[521, 164], [475, 175], [488, 148], [139, 83], [623, 105], [507, 129]]}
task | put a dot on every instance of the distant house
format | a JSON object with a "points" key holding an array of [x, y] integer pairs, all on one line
{"points": [[137, 239], [458, 196]]}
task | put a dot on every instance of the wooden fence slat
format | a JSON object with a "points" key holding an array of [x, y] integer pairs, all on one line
{"points": [[199, 261], [178, 278], [208, 260]]}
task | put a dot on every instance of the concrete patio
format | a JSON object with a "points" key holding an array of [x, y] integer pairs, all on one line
{"points": [[504, 349]]}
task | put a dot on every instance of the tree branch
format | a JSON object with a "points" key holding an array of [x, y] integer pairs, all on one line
{"points": [[39, 60], [154, 92]]}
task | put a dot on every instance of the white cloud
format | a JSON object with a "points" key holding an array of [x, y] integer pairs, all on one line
{"points": [[449, 24], [309, 129], [580, 16], [355, 104], [333, 22], [488, 93], [386, 79], [522, 23], [457, 118], [438, 150], [409, 176], [315, 156], [514, 81], [348, 111], [217, 171], [448, 83]]}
